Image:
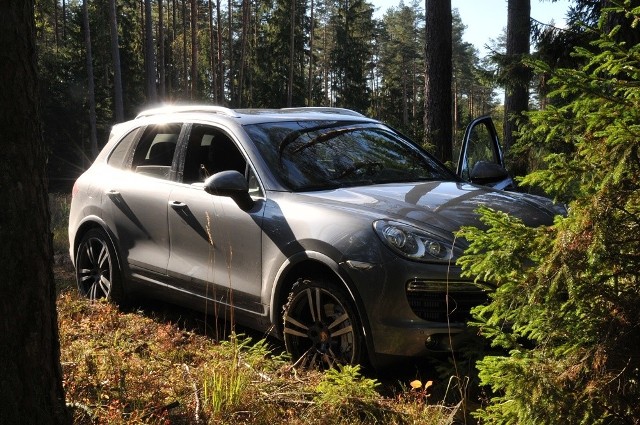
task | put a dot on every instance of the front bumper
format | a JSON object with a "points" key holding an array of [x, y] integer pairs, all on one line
{"points": [[415, 309]]}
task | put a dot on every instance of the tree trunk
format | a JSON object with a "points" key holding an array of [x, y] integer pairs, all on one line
{"points": [[149, 54], [220, 61], [115, 56], [31, 389], [56, 37], [516, 99], [161, 59], [437, 78], [93, 133], [232, 98], [243, 50], [311, 64], [185, 74], [292, 48], [212, 56], [194, 49]]}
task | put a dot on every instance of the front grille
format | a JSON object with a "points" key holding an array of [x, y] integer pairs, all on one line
{"points": [[440, 301]]}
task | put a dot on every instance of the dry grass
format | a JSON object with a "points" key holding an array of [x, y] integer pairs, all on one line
{"points": [[132, 367]]}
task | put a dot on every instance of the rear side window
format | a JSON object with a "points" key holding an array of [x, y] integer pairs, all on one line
{"points": [[155, 151], [119, 154]]}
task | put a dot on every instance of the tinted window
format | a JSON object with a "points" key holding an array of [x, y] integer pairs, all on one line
{"points": [[323, 155], [118, 157], [210, 150], [480, 148], [154, 154]]}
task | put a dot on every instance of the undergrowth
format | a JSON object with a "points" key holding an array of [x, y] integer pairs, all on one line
{"points": [[134, 367], [130, 368]]}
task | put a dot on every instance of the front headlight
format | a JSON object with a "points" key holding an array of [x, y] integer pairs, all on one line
{"points": [[413, 243]]}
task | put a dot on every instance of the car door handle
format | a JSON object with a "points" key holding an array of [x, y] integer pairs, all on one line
{"points": [[177, 205]]}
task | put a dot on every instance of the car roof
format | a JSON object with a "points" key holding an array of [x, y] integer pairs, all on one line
{"points": [[252, 116]]}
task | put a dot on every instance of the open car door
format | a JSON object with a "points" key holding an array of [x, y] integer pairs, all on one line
{"points": [[481, 159]]}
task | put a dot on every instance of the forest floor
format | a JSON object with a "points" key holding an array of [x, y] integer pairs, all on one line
{"points": [[161, 364]]}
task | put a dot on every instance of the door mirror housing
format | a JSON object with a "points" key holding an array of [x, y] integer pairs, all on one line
{"points": [[485, 172], [232, 184]]}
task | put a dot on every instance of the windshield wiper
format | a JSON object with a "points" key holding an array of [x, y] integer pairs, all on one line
{"points": [[324, 137], [294, 135]]}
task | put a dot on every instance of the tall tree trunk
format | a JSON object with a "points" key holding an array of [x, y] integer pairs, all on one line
{"points": [[311, 64], [93, 134], [194, 49], [292, 47], [115, 57], [31, 389], [405, 95], [185, 74], [212, 56], [243, 50], [56, 35], [437, 78], [64, 20], [161, 59], [516, 99], [171, 58], [220, 61], [232, 98], [149, 54]]}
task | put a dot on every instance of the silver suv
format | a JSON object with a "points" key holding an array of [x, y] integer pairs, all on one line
{"points": [[324, 227]]}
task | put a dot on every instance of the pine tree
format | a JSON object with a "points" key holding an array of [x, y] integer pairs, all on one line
{"points": [[564, 299]]}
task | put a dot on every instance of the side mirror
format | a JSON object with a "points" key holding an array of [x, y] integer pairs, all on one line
{"points": [[232, 184], [485, 172]]}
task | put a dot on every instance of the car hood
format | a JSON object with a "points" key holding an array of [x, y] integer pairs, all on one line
{"points": [[445, 205]]}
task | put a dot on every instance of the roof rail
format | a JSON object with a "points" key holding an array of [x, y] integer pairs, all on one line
{"points": [[172, 109], [342, 111]]}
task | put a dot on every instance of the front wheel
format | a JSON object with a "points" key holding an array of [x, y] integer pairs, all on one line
{"points": [[97, 271], [321, 328]]}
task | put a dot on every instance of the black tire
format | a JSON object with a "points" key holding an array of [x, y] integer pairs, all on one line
{"points": [[97, 270], [321, 327]]}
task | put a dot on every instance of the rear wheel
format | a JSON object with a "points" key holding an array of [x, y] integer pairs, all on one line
{"points": [[97, 271], [321, 328]]}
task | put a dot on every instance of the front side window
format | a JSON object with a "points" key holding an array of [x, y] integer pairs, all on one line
{"points": [[209, 151], [325, 155], [480, 148]]}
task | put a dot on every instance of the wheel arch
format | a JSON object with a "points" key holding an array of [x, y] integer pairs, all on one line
{"points": [[94, 223], [308, 265]]}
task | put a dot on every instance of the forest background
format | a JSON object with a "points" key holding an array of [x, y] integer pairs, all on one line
{"points": [[105, 64]]}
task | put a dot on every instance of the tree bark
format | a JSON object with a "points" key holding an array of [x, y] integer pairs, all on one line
{"points": [[311, 63], [162, 88], [93, 132], [31, 389], [292, 40], [212, 56], [149, 54], [516, 99], [117, 70], [437, 80], [232, 98], [220, 61], [194, 49]]}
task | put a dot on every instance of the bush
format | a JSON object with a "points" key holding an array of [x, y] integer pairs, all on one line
{"points": [[565, 305]]}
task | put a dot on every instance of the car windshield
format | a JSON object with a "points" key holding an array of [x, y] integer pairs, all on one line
{"points": [[319, 155]]}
